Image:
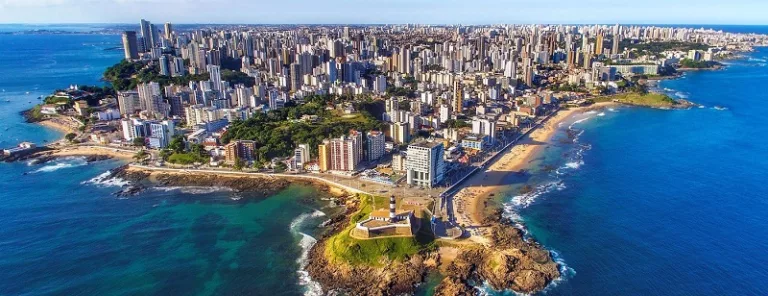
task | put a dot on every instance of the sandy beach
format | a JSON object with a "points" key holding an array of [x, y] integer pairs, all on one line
{"points": [[61, 124], [94, 150], [478, 189]]}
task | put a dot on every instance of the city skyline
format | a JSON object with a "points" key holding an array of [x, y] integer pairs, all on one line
{"points": [[394, 12]]}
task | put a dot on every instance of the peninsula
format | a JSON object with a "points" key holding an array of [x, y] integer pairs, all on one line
{"points": [[413, 128]]}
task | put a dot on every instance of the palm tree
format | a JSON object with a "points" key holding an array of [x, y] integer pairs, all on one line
{"points": [[141, 156]]}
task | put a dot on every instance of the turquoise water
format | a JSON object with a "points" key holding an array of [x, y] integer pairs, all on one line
{"points": [[62, 232], [654, 202]]}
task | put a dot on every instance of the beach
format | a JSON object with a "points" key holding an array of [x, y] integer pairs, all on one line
{"points": [[479, 187], [118, 153], [60, 124]]}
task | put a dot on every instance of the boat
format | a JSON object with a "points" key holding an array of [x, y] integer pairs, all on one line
{"points": [[720, 108]]}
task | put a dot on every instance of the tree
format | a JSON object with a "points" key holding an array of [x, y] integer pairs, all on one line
{"points": [[138, 141], [165, 153], [177, 144], [70, 136], [280, 167], [141, 156], [239, 164]]}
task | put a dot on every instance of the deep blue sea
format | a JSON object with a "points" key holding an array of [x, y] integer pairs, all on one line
{"points": [[659, 202], [646, 202], [62, 232]]}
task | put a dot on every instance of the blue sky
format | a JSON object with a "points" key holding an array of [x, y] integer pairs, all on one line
{"points": [[387, 11]]}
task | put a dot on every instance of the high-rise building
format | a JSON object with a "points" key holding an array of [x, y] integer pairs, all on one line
{"points": [[375, 140], [146, 34], [240, 149], [168, 31], [215, 77], [400, 132], [165, 65], [484, 127], [130, 45], [345, 152], [324, 156], [128, 102], [458, 96], [295, 77], [150, 98], [380, 84], [425, 166], [599, 44]]}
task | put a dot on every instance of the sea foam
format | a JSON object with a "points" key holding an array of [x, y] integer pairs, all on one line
{"points": [[194, 189], [105, 180], [62, 163], [312, 288]]}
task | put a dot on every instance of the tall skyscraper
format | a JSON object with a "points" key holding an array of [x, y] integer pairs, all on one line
{"points": [[168, 31], [458, 96], [215, 77], [130, 45], [165, 66], [599, 44], [295, 77], [146, 34]]}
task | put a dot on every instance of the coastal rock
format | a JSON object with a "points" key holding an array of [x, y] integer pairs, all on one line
{"points": [[142, 179], [510, 263], [454, 287], [393, 278]]}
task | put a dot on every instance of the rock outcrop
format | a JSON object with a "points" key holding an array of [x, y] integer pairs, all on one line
{"points": [[142, 179]]}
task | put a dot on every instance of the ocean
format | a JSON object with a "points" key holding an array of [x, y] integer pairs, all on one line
{"points": [[646, 202], [63, 232], [659, 202]]}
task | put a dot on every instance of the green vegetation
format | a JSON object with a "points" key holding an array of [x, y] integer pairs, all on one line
{"points": [[70, 136], [401, 92], [34, 114], [127, 75], [139, 141], [186, 158], [278, 132], [342, 248], [141, 156], [567, 87], [688, 63], [640, 99], [55, 100], [453, 123]]}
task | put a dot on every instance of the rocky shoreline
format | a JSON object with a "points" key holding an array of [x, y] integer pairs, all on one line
{"points": [[140, 180], [510, 262]]}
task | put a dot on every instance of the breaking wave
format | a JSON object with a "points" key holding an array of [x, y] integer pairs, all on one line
{"points": [[306, 243], [526, 199], [105, 180], [194, 189], [62, 163]]}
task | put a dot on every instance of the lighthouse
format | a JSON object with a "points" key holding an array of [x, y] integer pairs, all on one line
{"points": [[392, 208]]}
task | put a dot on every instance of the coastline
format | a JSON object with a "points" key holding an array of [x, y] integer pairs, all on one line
{"points": [[480, 188]]}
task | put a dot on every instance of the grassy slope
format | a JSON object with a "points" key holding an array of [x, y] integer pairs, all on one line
{"points": [[649, 99], [341, 248]]}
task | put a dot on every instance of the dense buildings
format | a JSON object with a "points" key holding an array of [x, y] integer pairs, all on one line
{"points": [[464, 88]]}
